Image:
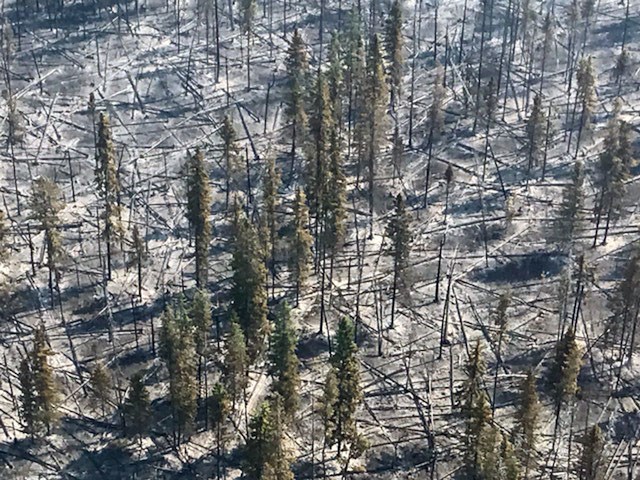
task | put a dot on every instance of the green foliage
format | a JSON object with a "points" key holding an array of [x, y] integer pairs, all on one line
{"points": [[399, 233], [178, 351], [46, 205], [107, 179], [335, 77], [569, 218], [219, 406], [297, 65], [327, 404], [284, 362], [472, 388], [615, 163], [354, 52], [138, 248], [236, 360], [593, 464], [496, 459], [230, 155], [335, 198], [345, 370], [38, 389], [137, 407], [28, 406], [265, 454], [478, 447], [376, 93], [100, 381], [356, 85], [501, 319], [198, 213], [321, 128], [510, 467], [39, 392], [490, 101], [300, 242], [624, 302], [201, 315], [536, 131], [394, 46], [563, 374], [527, 417], [586, 92], [270, 185], [248, 290], [219, 410], [278, 465]]}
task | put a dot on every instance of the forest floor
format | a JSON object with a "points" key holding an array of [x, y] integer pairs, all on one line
{"points": [[157, 78]]}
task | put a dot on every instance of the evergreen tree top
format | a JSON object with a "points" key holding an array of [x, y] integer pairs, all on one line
{"points": [[346, 348]]}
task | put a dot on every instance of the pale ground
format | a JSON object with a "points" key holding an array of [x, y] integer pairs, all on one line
{"points": [[407, 390]]}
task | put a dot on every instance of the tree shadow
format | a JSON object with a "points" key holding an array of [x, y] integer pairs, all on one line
{"points": [[530, 267]]}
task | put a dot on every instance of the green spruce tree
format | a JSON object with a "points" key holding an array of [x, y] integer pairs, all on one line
{"points": [[219, 410], [248, 290], [536, 132], [198, 213], [46, 390], [335, 200], [178, 351], [345, 370], [320, 128], [563, 374], [101, 385], [137, 407], [236, 361], [613, 171], [297, 65], [230, 156], [108, 186], [335, 78], [270, 185], [394, 46], [399, 234], [376, 100], [201, 316], [284, 363], [300, 243], [625, 307], [569, 217], [39, 392], [266, 457], [248, 14], [592, 462], [46, 205], [28, 404], [527, 417], [585, 94], [355, 87]]}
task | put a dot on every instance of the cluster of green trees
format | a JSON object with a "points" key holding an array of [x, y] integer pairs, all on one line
{"points": [[490, 451], [185, 345], [339, 114]]}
